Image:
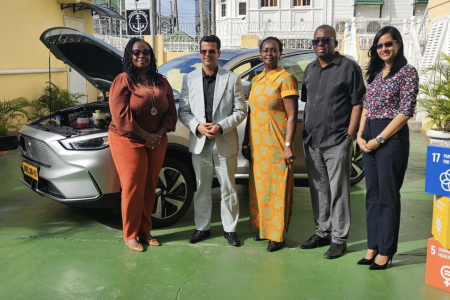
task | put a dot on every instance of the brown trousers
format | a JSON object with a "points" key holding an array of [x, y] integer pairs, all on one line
{"points": [[138, 168]]}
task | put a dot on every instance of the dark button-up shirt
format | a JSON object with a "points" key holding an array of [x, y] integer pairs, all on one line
{"points": [[209, 83], [330, 94]]}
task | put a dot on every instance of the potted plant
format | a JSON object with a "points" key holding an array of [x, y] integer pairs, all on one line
{"points": [[435, 99], [57, 97], [12, 114]]}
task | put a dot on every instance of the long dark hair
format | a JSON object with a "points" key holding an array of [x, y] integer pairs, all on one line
{"points": [[153, 76], [376, 64]]}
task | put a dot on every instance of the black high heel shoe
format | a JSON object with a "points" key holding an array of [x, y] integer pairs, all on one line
{"points": [[374, 266], [368, 262]]}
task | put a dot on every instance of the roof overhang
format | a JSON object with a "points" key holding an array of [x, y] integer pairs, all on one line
{"points": [[95, 10]]}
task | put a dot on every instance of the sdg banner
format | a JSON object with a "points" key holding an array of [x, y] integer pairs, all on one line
{"points": [[143, 26], [437, 170]]}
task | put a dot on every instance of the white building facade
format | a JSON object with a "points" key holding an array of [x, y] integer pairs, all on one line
{"points": [[294, 21], [317, 11]]}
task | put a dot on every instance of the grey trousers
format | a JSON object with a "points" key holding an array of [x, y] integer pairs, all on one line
{"points": [[204, 165], [329, 182]]}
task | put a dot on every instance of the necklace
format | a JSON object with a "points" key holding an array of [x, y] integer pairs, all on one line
{"points": [[153, 111]]}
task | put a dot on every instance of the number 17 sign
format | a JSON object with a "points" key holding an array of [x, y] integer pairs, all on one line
{"points": [[437, 172]]}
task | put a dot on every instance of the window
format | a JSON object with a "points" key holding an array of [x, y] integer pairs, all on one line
{"points": [[242, 8], [268, 3], [175, 70], [373, 27], [246, 65], [302, 2], [224, 10]]}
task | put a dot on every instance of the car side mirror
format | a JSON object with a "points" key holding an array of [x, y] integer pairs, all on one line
{"points": [[8, 143]]}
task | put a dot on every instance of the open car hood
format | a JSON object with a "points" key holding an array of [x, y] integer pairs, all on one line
{"points": [[94, 59]]}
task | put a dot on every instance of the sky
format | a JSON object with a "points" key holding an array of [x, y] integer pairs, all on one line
{"points": [[186, 10]]}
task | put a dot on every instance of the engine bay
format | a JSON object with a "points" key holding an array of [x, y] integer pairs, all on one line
{"points": [[95, 118]]}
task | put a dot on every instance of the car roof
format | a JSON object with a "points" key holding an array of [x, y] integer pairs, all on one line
{"points": [[229, 54]]}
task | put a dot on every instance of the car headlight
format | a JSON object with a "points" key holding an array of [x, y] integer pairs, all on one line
{"points": [[86, 143]]}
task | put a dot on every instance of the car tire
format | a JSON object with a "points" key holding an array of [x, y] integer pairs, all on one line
{"points": [[357, 169], [174, 192]]}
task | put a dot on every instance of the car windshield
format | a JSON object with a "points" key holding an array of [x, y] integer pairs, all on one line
{"points": [[175, 70]]}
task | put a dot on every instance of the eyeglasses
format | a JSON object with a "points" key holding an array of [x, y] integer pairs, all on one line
{"points": [[325, 41], [387, 45], [203, 52], [137, 53]]}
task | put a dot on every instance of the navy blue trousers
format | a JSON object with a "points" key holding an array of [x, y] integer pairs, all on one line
{"points": [[384, 170]]}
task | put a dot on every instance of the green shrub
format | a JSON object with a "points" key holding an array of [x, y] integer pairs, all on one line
{"points": [[435, 94], [12, 114], [60, 99]]}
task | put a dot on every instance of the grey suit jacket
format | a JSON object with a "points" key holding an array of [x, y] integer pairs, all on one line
{"points": [[229, 110]]}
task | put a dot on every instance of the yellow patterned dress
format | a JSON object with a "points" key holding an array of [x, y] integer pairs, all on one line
{"points": [[271, 183]]}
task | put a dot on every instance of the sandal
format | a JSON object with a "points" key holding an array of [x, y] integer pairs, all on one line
{"points": [[149, 242], [136, 247]]}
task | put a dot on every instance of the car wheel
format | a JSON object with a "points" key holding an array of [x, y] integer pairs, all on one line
{"points": [[357, 171], [174, 193]]}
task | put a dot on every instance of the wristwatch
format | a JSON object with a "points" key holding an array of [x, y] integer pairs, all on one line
{"points": [[380, 140], [350, 137], [287, 144]]}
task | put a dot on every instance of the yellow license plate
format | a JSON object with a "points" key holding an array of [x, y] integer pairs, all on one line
{"points": [[30, 171]]}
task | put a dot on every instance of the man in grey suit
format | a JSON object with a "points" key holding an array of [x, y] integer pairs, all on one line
{"points": [[212, 105]]}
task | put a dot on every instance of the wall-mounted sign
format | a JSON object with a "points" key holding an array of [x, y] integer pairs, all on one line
{"points": [[135, 27]]}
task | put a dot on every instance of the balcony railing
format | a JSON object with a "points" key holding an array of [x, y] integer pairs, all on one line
{"points": [[369, 2]]}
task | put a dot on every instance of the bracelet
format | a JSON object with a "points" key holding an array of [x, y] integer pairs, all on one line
{"points": [[244, 147]]}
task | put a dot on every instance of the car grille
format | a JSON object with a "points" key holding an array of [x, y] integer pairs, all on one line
{"points": [[44, 186], [37, 150]]}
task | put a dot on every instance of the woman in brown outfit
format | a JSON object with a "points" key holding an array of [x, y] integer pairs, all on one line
{"points": [[143, 110]]}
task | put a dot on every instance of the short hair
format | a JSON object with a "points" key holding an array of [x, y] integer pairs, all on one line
{"points": [[328, 28], [210, 39], [280, 44]]}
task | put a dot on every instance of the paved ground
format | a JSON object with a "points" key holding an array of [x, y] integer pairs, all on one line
{"points": [[51, 251]]}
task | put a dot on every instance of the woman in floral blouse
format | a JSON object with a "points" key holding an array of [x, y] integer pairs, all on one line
{"points": [[383, 137]]}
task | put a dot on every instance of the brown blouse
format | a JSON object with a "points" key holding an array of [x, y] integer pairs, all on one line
{"points": [[130, 106]]}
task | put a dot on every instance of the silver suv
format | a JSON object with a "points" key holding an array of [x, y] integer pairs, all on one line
{"points": [[74, 166]]}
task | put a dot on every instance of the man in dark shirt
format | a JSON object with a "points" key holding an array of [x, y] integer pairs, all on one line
{"points": [[212, 105], [209, 82], [333, 89]]}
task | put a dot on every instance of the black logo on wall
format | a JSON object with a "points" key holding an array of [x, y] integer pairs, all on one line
{"points": [[143, 26]]}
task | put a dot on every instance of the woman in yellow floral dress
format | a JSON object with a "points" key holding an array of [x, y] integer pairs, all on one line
{"points": [[270, 130]]}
